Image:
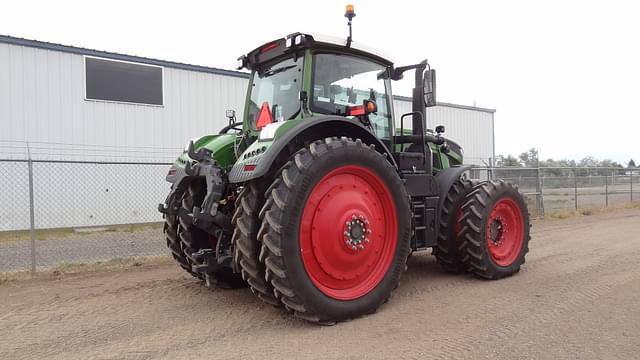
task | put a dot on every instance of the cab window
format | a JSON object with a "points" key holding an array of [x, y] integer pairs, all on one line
{"points": [[343, 81]]}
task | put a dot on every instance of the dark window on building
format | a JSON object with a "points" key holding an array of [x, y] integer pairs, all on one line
{"points": [[120, 81]]}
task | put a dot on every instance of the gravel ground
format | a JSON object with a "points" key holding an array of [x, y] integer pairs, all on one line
{"points": [[577, 297]]}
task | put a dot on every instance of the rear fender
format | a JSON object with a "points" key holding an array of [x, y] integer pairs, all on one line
{"points": [[447, 177], [265, 156]]}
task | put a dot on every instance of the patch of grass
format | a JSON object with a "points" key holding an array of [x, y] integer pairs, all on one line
{"points": [[66, 268], [570, 213], [45, 234], [560, 214]]}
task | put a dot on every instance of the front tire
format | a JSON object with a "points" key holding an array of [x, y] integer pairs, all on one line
{"points": [[495, 230], [335, 231]]}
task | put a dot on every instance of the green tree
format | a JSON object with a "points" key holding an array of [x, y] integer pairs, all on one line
{"points": [[529, 158], [509, 160], [631, 164]]}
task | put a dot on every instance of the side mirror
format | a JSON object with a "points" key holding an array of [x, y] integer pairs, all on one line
{"points": [[429, 88]]}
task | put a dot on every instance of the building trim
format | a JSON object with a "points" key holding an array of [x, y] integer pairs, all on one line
{"points": [[115, 56]]}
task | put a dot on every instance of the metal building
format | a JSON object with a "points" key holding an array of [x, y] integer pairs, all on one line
{"points": [[59, 99], [62, 103]]}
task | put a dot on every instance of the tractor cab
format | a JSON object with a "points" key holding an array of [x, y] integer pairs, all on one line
{"points": [[310, 76]]}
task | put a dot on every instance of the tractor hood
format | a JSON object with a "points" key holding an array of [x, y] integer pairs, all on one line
{"points": [[221, 146]]}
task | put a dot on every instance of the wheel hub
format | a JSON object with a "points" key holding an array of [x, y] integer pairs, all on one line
{"points": [[348, 232], [357, 232]]}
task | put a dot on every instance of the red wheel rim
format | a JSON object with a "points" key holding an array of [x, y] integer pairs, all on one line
{"points": [[348, 232], [505, 232]]}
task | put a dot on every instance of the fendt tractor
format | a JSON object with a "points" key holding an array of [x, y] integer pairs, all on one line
{"points": [[316, 199]]}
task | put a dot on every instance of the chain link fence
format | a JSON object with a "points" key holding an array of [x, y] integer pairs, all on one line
{"points": [[551, 190], [63, 212]]}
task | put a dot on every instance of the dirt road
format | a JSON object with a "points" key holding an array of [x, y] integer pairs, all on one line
{"points": [[578, 296]]}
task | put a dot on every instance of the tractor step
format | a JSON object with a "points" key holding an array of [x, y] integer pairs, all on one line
{"points": [[424, 211]]}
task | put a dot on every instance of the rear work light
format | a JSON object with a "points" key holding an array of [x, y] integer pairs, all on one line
{"points": [[294, 40]]}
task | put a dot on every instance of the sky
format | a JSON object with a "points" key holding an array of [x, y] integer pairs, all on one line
{"points": [[564, 76]]}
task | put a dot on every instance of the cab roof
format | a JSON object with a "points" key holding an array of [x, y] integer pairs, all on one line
{"points": [[295, 42]]}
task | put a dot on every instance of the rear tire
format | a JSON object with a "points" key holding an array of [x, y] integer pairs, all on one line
{"points": [[247, 248], [320, 273], [193, 239], [447, 249], [495, 230]]}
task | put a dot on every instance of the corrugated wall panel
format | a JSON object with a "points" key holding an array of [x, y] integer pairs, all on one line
{"points": [[472, 129], [42, 102]]}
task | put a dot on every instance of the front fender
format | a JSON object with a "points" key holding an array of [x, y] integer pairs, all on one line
{"points": [[260, 156]]}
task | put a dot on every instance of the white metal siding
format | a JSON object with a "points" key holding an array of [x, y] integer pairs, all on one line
{"points": [[471, 129], [42, 102]]}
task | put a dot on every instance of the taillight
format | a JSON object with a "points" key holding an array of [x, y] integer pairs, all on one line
{"points": [[249, 167], [264, 117], [268, 47], [356, 110]]}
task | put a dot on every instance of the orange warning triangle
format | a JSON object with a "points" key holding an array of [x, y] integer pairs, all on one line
{"points": [[264, 117]]}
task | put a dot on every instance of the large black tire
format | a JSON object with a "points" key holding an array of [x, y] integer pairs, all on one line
{"points": [[282, 238], [495, 230], [193, 239], [247, 248], [447, 249], [170, 230]]}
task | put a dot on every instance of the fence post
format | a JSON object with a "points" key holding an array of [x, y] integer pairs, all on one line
{"points": [[575, 188], [32, 222], [631, 185], [606, 190], [539, 187]]}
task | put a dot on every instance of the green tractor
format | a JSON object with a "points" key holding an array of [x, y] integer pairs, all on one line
{"points": [[318, 197]]}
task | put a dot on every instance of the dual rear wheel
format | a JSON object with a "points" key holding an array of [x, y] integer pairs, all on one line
{"points": [[334, 232], [484, 229]]}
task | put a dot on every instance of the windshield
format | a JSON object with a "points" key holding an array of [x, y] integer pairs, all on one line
{"points": [[278, 86], [344, 81]]}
